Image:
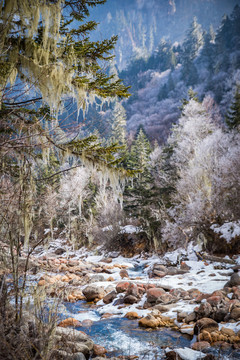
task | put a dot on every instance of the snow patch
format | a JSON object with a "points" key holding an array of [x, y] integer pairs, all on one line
{"points": [[188, 354], [130, 229], [228, 230]]}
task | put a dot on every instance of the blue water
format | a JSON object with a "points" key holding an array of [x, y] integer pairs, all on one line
{"points": [[121, 336]]}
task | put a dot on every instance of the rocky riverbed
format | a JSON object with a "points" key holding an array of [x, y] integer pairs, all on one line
{"points": [[177, 296]]}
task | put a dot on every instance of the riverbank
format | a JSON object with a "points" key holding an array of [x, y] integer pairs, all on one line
{"points": [[131, 306]]}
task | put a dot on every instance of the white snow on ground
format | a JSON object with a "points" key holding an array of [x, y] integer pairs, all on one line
{"points": [[130, 229], [228, 230], [127, 229], [198, 277], [189, 354]]}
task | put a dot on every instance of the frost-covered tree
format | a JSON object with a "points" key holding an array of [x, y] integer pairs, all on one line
{"points": [[207, 163], [119, 121], [193, 197]]}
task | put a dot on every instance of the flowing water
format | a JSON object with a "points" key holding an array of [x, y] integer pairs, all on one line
{"points": [[121, 336]]}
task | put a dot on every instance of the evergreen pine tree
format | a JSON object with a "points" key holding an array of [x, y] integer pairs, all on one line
{"points": [[193, 41], [140, 151], [207, 53], [191, 45], [233, 116], [235, 18], [224, 36], [192, 95], [138, 191]]}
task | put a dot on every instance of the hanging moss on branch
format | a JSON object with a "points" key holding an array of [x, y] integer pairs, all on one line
{"points": [[37, 47]]}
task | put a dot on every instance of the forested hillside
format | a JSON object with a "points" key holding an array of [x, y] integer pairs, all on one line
{"points": [[141, 24], [207, 61]]}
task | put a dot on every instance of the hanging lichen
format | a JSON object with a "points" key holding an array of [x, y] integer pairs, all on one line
{"points": [[55, 62]]}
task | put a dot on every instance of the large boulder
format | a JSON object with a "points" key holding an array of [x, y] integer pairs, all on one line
{"points": [[206, 324], [175, 271], [132, 290], [235, 313], [68, 335], [158, 273], [204, 310], [93, 292], [131, 315], [149, 321], [200, 345], [236, 293], [70, 322], [159, 270], [234, 280], [61, 354], [110, 297], [99, 350], [122, 286], [154, 294], [130, 299]]}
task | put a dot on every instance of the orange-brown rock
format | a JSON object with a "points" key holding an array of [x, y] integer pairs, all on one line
{"points": [[71, 298], [122, 286], [200, 345], [99, 350], [222, 344], [154, 294], [124, 274], [206, 324], [117, 266], [234, 339], [70, 322], [235, 313], [131, 315], [205, 336], [65, 278], [78, 295], [214, 300], [42, 282], [106, 316], [149, 321], [228, 332], [110, 278]]}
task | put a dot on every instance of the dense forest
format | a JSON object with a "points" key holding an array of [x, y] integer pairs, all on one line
{"points": [[93, 144]]}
